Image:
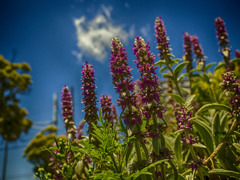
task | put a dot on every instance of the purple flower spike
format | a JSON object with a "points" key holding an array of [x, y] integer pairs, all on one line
{"points": [[122, 79], [231, 84], [148, 84], [188, 51], [197, 49], [162, 39], [182, 117], [89, 94], [106, 104], [221, 33], [67, 112], [80, 130], [237, 53]]}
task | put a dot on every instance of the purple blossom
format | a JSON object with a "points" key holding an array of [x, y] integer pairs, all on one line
{"points": [[231, 84], [197, 49], [162, 39], [89, 94], [237, 53], [182, 116], [188, 50], [106, 104], [122, 79], [148, 84], [80, 130], [67, 112], [221, 33]]}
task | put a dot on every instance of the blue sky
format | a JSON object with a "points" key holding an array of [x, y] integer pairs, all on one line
{"points": [[57, 37]]}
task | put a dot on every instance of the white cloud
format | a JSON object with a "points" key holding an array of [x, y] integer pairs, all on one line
{"points": [[145, 32], [94, 36]]}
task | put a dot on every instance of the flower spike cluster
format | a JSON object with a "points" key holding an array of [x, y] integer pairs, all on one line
{"points": [[148, 83], [182, 117], [162, 39], [197, 49], [106, 104], [67, 112], [122, 79], [231, 84], [89, 94], [221, 33], [80, 130], [188, 50]]}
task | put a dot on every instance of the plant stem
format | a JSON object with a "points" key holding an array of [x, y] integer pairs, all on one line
{"points": [[225, 140], [167, 59]]}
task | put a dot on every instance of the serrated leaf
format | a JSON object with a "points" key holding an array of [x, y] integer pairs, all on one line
{"points": [[177, 98], [209, 65], [189, 100], [213, 106], [205, 134], [199, 145], [169, 76], [225, 172], [237, 146], [236, 60], [220, 65], [178, 69]]}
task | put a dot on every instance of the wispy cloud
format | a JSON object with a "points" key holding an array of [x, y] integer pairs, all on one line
{"points": [[145, 32], [94, 36]]}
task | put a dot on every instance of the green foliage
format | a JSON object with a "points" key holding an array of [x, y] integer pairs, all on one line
{"points": [[13, 80]]}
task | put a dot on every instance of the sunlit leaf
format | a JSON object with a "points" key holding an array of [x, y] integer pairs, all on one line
{"points": [[213, 106], [225, 172]]}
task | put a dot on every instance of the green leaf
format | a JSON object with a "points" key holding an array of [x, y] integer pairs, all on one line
{"points": [[205, 134], [237, 146], [178, 148], [155, 145], [226, 173], [177, 98], [219, 66], [189, 101], [236, 60], [160, 63], [179, 131], [213, 106], [145, 149], [163, 69], [216, 127], [178, 69], [128, 152], [199, 145], [169, 76], [209, 65], [175, 175]]}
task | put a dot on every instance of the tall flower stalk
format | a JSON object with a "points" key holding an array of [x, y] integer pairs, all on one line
{"points": [[89, 96], [224, 45], [188, 56], [106, 105], [122, 79], [165, 55], [163, 47], [67, 112], [148, 84], [124, 85], [198, 51]]}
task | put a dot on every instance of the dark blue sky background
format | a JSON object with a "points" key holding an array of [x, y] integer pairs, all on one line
{"points": [[53, 37]]}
